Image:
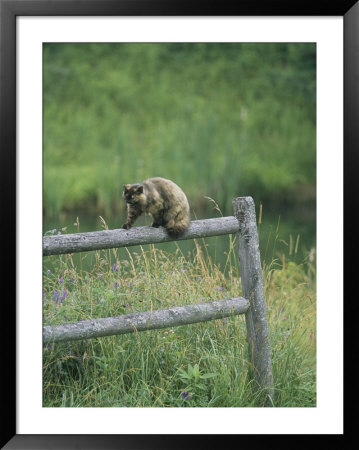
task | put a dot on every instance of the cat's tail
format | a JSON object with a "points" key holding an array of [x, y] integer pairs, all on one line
{"points": [[178, 227]]}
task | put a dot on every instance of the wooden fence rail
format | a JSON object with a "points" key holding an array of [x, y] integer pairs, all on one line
{"points": [[97, 240], [149, 320], [253, 305]]}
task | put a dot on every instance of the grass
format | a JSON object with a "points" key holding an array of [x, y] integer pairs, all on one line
{"points": [[222, 120], [199, 365], [219, 119]]}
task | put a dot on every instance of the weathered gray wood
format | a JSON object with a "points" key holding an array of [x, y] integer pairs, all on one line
{"points": [[244, 224], [252, 285], [149, 320], [83, 242]]}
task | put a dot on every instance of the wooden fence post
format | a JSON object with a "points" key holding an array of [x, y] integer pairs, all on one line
{"points": [[252, 286]]}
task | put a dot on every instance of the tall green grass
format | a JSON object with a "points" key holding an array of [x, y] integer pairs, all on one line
{"points": [[221, 120], [199, 365]]}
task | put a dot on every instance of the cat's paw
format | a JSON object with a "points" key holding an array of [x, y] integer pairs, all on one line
{"points": [[126, 226]]}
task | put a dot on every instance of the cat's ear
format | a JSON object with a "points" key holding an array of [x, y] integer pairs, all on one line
{"points": [[126, 187], [139, 190]]}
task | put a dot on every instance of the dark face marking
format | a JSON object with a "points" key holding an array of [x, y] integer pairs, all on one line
{"points": [[131, 193]]}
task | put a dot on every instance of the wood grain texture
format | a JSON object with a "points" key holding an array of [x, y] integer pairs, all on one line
{"points": [[96, 240], [252, 286], [149, 320]]}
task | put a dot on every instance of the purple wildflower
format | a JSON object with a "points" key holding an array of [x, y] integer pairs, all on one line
{"points": [[114, 267], [199, 278], [63, 296], [220, 288], [61, 280], [185, 395], [43, 293], [48, 271], [53, 231], [127, 305], [72, 279], [117, 284], [56, 296]]}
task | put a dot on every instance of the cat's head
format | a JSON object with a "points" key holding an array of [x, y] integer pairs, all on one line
{"points": [[133, 194]]}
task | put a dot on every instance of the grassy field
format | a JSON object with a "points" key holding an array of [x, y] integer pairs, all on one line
{"points": [[200, 365], [221, 120]]}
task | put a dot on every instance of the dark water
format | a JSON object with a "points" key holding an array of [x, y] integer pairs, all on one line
{"points": [[288, 232]]}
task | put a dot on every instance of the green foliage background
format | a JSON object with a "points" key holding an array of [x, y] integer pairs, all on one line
{"points": [[221, 120]]}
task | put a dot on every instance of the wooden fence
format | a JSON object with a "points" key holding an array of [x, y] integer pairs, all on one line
{"points": [[243, 225]]}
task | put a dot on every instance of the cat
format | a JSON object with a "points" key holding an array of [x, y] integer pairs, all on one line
{"points": [[163, 199]]}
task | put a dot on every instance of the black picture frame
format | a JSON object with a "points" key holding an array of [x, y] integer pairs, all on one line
{"points": [[9, 10]]}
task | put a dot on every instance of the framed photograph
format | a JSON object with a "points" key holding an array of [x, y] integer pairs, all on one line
{"points": [[99, 97]]}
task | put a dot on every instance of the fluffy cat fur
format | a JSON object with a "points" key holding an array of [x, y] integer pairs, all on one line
{"points": [[163, 199]]}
